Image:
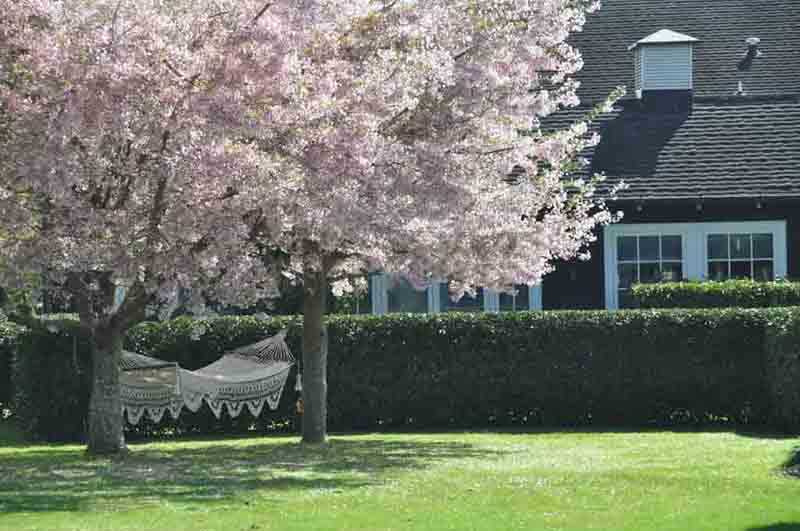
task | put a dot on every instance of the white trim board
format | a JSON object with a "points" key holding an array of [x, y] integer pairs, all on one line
{"points": [[693, 236]]}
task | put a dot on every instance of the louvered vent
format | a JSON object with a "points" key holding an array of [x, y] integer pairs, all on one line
{"points": [[663, 61]]}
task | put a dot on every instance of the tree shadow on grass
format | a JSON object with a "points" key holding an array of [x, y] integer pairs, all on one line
{"points": [[65, 480], [755, 432], [766, 433], [777, 527], [792, 465]]}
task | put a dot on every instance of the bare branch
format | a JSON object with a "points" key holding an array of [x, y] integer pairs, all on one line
{"points": [[391, 121], [114, 19], [498, 150], [389, 6], [463, 52], [261, 13], [173, 69]]}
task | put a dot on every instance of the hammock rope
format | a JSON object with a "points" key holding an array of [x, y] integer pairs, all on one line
{"points": [[249, 376]]}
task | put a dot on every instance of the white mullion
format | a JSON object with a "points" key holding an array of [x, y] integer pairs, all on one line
{"points": [[380, 296], [434, 297], [696, 254], [535, 297], [638, 260], [491, 300], [730, 256]]}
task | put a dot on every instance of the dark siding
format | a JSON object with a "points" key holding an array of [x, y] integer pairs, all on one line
{"points": [[576, 285], [581, 285]]}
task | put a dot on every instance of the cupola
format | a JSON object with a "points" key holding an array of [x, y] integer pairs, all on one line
{"points": [[663, 63]]}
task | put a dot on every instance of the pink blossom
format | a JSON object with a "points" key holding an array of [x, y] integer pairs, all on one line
{"points": [[164, 140]]}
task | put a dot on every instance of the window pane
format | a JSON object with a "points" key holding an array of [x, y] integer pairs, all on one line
{"points": [[627, 275], [717, 246], [718, 271], [464, 304], [762, 246], [671, 248], [404, 298], [649, 248], [741, 270], [624, 299], [520, 303], [740, 246], [523, 298], [763, 271], [626, 249], [649, 273], [671, 272]]}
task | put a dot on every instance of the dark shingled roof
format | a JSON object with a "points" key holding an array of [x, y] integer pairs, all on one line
{"points": [[721, 26], [726, 146]]}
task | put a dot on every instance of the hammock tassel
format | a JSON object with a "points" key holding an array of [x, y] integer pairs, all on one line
{"points": [[298, 386]]}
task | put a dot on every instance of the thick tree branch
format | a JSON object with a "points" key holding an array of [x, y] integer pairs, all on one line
{"points": [[133, 309]]}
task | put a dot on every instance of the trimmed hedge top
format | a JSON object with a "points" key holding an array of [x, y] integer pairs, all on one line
{"points": [[727, 294]]}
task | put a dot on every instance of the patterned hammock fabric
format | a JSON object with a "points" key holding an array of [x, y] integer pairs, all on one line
{"points": [[248, 376]]}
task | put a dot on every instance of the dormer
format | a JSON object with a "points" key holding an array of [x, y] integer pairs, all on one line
{"points": [[663, 63]]}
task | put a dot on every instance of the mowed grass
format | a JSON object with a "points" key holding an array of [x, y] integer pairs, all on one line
{"points": [[466, 481]]}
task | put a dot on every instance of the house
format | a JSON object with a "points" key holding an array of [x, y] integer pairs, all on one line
{"points": [[707, 141]]}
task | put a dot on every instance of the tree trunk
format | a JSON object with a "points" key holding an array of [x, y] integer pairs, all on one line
{"points": [[315, 358], [106, 436]]}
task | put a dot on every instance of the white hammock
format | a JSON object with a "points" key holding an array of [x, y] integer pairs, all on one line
{"points": [[248, 376]]}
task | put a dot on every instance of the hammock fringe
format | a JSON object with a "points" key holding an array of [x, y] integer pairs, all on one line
{"points": [[247, 377]]}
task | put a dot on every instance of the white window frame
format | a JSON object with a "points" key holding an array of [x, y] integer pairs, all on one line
{"points": [[380, 284], [491, 298], [695, 248]]}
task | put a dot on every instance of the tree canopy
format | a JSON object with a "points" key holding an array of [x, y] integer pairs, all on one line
{"points": [[221, 144]]}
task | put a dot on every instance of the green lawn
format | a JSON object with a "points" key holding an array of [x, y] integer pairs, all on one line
{"points": [[568, 480]]}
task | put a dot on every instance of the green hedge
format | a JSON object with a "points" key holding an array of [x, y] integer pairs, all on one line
{"points": [[52, 378], [8, 342], [631, 368], [553, 369], [783, 371], [727, 294]]}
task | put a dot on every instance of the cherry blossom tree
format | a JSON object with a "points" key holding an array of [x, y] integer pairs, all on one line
{"points": [[219, 144], [113, 173]]}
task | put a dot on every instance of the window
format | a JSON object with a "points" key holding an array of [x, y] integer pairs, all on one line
{"points": [[741, 256], [655, 252], [516, 302], [647, 259], [403, 297], [464, 304]]}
